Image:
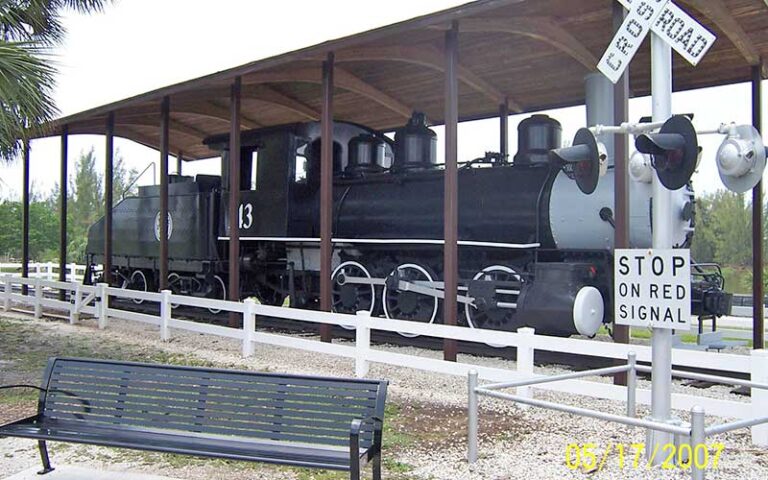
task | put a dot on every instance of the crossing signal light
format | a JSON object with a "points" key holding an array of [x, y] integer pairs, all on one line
{"points": [[582, 161], [741, 158], [674, 151]]}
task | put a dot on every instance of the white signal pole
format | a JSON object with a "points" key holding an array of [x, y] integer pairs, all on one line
{"points": [[661, 341]]}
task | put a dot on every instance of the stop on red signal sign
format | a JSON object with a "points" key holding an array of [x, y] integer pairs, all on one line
{"points": [[652, 288]]}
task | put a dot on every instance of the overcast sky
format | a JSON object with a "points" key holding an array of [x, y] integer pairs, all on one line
{"points": [[140, 45]]}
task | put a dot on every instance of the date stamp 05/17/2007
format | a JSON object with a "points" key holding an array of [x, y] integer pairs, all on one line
{"points": [[589, 456]]}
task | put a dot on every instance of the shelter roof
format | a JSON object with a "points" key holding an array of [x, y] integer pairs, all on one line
{"points": [[533, 53]]}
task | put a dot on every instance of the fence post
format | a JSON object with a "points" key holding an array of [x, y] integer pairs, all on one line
{"points": [[759, 374], [37, 270], [103, 305], [249, 326], [698, 437], [38, 298], [525, 360], [49, 271], [472, 416], [362, 343], [165, 315], [72, 272], [7, 289], [74, 306], [631, 384]]}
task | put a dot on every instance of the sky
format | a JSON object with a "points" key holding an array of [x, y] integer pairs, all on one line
{"points": [[140, 45]]}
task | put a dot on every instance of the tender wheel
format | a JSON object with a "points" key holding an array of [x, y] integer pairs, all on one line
{"points": [[137, 281], [174, 285], [219, 291], [488, 315], [348, 297], [404, 305]]}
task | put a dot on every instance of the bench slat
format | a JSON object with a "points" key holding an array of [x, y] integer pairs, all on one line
{"points": [[191, 407], [285, 436], [331, 404], [239, 388], [215, 374], [125, 413]]}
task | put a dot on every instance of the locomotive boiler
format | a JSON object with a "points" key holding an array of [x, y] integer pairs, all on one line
{"points": [[533, 249]]}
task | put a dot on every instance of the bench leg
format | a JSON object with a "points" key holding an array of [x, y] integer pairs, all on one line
{"points": [[44, 457], [354, 471], [377, 467]]}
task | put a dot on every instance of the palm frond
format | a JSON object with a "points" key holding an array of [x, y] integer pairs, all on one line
{"points": [[26, 83]]}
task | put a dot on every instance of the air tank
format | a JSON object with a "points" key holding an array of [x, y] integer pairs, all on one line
{"points": [[415, 145], [536, 136]]}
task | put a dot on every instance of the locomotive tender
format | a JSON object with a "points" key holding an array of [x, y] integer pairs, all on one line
{"points": [[533, 249]]}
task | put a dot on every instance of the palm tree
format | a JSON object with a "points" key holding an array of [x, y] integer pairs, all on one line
{"points": [[28, 30]]}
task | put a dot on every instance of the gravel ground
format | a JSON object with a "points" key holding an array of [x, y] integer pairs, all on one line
{"points": [[515, 443]]}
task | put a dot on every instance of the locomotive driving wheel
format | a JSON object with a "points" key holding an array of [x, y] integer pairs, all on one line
{"points": [[493, 308], [137, 281], [349, 297], [218, 291], [408, 305]]}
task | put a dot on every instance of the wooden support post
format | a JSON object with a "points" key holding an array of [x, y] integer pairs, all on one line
{"points": [[25, 219], [758, 292], [326, 194], [621, 177], [450, 190], [108, 200], [165, 111], [64, 178], [504, 130], [234, 199]]}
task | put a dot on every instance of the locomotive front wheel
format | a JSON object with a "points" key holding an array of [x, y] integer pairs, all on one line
{"points": [[488, 315], [351, 297], [219, 292], [405, 305], [137, 281]]}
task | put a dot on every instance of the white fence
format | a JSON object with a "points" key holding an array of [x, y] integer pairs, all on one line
{"points": [[95, 300], [48, 270]]}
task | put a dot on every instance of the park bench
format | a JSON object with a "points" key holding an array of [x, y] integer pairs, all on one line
{"points": [[305, 421]]}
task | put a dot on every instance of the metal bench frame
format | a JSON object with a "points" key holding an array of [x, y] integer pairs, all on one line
{"points": [[273, 439]]}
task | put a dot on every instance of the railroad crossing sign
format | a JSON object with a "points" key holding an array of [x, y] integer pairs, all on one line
{"points": [[652, 288], [684, 34]]}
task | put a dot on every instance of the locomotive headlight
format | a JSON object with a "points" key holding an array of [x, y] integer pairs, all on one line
{"points": [[741, 158], [640, 168]]}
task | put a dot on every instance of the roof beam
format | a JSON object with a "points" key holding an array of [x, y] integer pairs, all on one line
{"points": [[267, 94], [175, 126], [718, 13], [214, 110], [343, 80], [544, 29], [130, 133], [427, 56]]}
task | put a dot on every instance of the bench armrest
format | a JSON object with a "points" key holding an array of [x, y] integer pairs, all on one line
{"points": [[354, 435]]}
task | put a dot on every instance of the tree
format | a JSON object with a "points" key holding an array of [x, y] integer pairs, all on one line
{"points": [[28, 29], [86, 199]]}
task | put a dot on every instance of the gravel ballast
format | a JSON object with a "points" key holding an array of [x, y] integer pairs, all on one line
{"points": [[516, 443]]}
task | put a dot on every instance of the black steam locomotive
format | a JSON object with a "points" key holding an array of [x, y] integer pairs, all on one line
{"points": [[533, 250]]}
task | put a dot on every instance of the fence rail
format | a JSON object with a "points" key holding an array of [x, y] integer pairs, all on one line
{"points": [[47, 270], [96, 301]]}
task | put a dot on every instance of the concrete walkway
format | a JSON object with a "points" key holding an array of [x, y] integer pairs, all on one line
{"points": [[64, 472]]}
